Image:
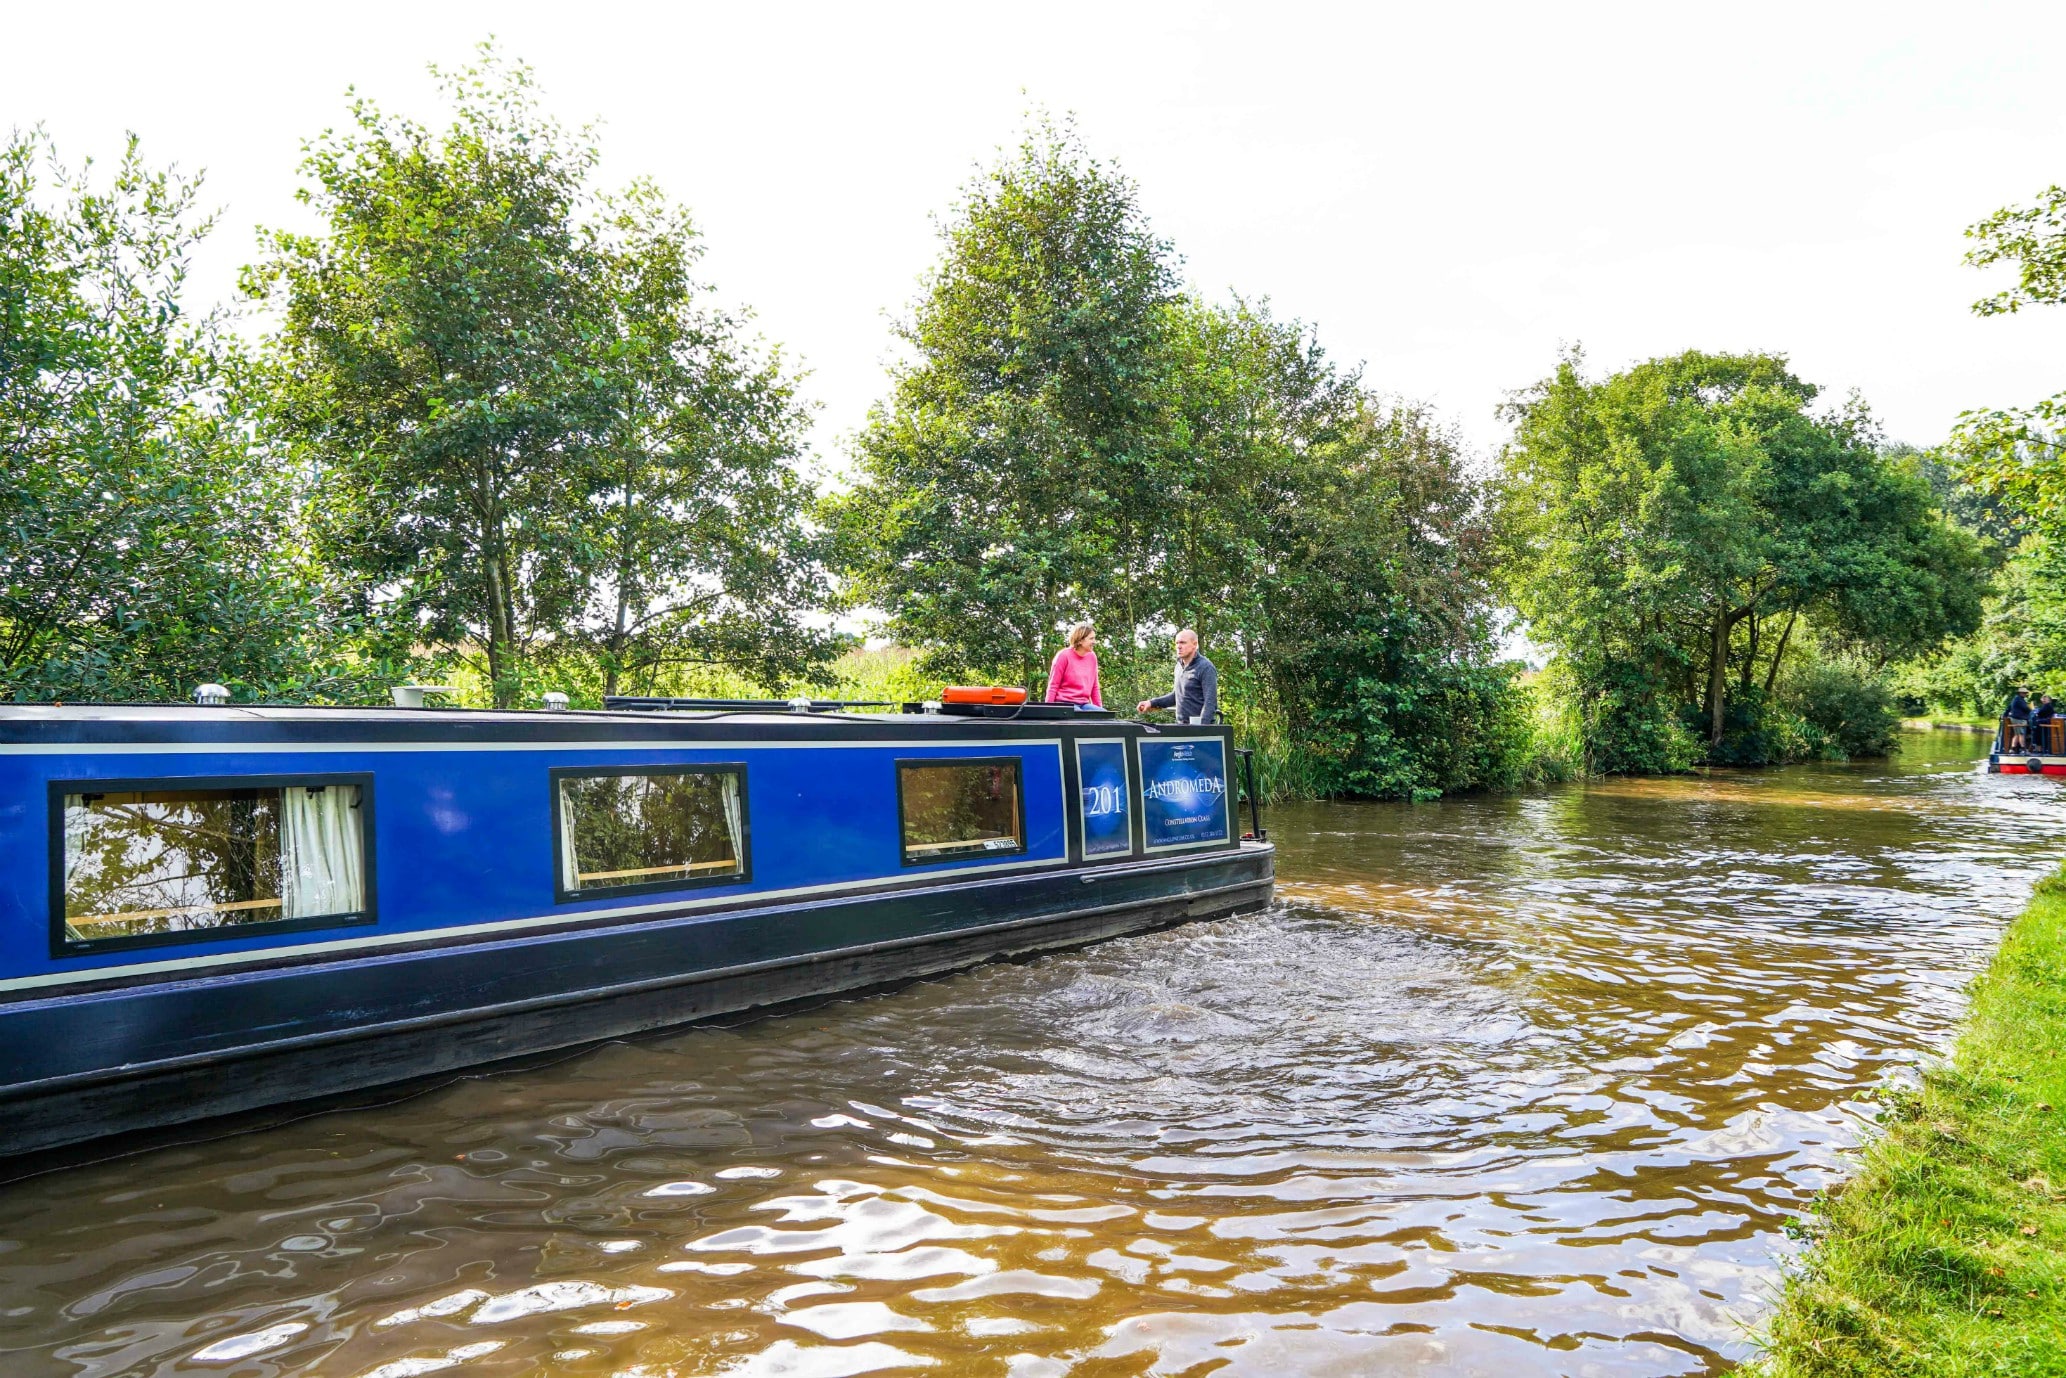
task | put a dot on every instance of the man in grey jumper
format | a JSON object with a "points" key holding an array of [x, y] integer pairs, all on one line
{"points": [[1196, 697]]}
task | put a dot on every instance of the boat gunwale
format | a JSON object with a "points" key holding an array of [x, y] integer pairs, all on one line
{"points": [[1248, 851], [358, 949]]}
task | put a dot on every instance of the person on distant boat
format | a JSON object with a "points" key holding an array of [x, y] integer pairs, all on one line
{"points": [[2018, 716], [2041, 729], [1196, 697], [1073, 678]]}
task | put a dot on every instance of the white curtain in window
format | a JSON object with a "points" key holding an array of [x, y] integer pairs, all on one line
{"points": [[734, 821], [78, 829], [570, 865], [322, 867]]}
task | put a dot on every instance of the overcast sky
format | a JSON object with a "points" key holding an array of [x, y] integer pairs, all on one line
{"points": [[1449, 193]]}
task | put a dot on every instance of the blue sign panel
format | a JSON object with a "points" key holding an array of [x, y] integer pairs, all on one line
{"points": [[1183, 791], [1102, 769]]}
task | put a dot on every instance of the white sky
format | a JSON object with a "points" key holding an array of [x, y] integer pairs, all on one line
{"points": [[1449, 192]]}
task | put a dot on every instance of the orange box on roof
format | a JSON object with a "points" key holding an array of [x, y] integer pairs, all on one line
{"points": [[982, 693]]}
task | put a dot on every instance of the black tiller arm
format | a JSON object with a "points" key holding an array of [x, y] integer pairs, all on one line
{"points": [[1255, 815]]}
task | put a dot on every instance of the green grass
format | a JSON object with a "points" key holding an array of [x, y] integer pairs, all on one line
{"points": [[1945, 1254]]}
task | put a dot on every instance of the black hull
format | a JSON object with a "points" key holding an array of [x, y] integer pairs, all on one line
{"points": [[130, 1059]]}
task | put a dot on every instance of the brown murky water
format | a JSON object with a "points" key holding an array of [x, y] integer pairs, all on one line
{"points": [[1515, 1086]]}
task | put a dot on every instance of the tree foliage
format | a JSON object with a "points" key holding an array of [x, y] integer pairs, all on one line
{"points": [[1672, 525], [2033, 239], [527, 433], [2021, 640], [2019, 454], [1073, 437], [436, 364], [146, 543], [1006, 485], [500, 416], [694, 548], [1335, 539]]}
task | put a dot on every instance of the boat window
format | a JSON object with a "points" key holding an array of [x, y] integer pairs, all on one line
{"points": [[163, 863], [955, 809], [627, 830]]}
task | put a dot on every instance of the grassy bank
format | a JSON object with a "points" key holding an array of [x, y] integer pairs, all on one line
{"points": [[1946, 1254]]}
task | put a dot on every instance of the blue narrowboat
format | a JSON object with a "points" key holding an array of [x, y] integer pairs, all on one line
{"points": [[208, 909]]}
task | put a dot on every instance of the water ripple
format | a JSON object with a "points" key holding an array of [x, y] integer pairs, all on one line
{"points": [[1525, 1085]]}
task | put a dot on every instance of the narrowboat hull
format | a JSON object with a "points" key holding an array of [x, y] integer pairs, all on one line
{"points": [[2026, 765], [2042, 750], [478, 958], [345, 1026]]}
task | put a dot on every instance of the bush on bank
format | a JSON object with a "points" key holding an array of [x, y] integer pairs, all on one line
{"points": [[1945, 1255], [1827, 709], [1620, 718], [1846, 710]]}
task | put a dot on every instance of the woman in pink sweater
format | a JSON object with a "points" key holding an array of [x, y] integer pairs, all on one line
{"points": [[1073, 678]]}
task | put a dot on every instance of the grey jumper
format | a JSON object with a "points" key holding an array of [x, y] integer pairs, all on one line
{"points": [[1196, 697]]}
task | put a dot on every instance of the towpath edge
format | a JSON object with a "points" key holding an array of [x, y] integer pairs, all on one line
{"points": [[1945, 1254]]}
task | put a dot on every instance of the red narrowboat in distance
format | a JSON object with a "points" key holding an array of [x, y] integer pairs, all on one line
{"points": [[2028, 748]]}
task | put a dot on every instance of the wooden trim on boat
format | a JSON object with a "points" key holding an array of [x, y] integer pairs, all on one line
{"points": [[729, 863], [92, 920]]}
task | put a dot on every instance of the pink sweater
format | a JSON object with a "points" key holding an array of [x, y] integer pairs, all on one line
{"points": [[1073, 678]]}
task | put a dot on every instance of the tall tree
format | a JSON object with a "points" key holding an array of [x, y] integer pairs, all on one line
{"points": [[1006, 487], [1673, 522], [146, 544], [2019, 454], [1248, 399], [696, 548], [1073, 437], [440, 362]]}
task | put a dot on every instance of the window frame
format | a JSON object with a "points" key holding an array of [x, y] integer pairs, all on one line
{"points": [[62, 945], [1018, 765], [562, 895]]}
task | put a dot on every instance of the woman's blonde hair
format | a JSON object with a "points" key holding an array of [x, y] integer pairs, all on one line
{"points": [[1077, 633]]}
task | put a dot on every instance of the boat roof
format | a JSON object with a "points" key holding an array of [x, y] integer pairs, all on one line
{"points": [[281, 712], [133, 722]]}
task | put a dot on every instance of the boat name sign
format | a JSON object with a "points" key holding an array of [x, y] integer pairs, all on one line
{"points": [[1184, 792]]}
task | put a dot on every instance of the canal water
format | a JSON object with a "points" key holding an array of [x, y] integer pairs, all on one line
{"points": [[1525, 1085]]}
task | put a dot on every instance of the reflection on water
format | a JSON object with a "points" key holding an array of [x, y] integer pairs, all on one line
{"points": [[1523, 1085]]}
